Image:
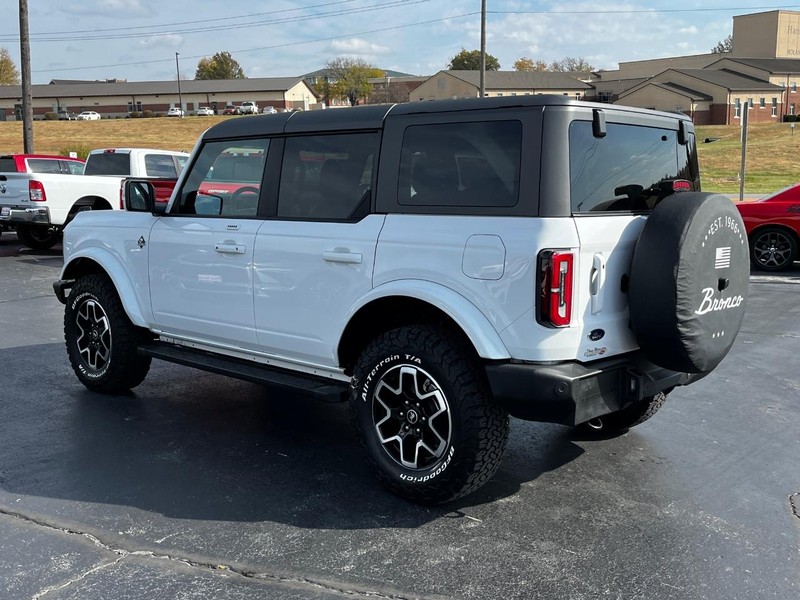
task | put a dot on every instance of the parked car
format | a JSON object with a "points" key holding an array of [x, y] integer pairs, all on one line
{"points": [[175, 112], [65, 115], [204, 111], [442, 264], [773, 229], [230, 109], [269, 110], [248, 108], [40, 163], [88, 115]]}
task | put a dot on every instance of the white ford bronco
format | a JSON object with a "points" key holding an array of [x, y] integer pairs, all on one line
{"points": [[441, 264]]}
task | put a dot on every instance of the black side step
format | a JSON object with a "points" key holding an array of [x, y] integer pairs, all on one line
{"points": [[328, 390]]}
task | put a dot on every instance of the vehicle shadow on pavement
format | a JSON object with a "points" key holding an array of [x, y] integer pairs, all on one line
{"points": [[192, 445]]}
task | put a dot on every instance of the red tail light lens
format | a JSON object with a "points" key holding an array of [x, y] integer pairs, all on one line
{"points": [[555, 288], [36, 191], [681, 185]]}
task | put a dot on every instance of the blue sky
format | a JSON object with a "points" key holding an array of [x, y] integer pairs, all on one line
{"points": [[137, 39]]}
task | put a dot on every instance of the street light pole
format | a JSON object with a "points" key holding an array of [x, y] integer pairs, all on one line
{"points": [[178, 70]]}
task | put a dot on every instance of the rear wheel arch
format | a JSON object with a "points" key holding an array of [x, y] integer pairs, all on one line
{"points": [[392, 312], [88, 203]]}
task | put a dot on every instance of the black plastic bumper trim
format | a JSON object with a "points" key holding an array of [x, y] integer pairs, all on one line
{"points": [[571, 393]]}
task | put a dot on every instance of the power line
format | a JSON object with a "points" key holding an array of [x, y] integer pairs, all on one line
{"points": [[272, 47], [216, 28], [635, 11]]}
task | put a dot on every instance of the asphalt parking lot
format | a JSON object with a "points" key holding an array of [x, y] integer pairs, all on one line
{"points": [[198, 486]]}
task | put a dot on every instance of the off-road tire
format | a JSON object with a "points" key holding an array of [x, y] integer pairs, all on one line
{"points": [[100, 338], [37, 237], [772, 249], [621, 421], [444, 374]]}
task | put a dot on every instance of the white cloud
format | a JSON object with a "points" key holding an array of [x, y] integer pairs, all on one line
{"points": [[170, 40], [688, 30], [357, 47]]}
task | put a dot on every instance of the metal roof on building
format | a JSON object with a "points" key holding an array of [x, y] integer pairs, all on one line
{"points": [[777, 66], [732, 81], [147, 88], [521, 80]]}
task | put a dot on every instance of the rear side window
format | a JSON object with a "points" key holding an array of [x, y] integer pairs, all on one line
{"points": [[160, 165], [327, 177], [461, 164], [43, 165], [108, 163], [628, 170]]}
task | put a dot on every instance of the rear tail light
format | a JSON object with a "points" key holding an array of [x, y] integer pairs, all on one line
{"points": [[36, 191], [555, 273]]}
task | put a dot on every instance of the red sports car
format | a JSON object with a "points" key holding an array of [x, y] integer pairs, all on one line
{"points": [[773, 228]]}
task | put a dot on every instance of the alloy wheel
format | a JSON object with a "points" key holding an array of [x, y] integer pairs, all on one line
{"points": [[94, 334], [772, 249], [411, 417]]}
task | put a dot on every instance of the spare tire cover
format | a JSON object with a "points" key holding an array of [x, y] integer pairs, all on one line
{"points": [[688, 282]]}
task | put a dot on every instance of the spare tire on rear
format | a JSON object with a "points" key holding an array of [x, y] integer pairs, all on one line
{"points": [[688, 282]]}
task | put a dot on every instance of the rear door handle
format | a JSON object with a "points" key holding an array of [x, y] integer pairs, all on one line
{"points": [[230, 248], [342, 255]]}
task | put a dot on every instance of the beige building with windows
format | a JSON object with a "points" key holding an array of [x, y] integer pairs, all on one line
{"points": [[763, 69]]}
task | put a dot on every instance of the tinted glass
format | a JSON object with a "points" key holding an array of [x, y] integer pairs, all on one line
{"points": [[327, 176], [160, 165], [628, 170], [108, 163], [7, 165], [225, 179], [43, 165], [461, 164]]}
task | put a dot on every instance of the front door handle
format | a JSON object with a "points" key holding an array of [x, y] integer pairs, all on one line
{"points": [[229, 248], [342, 255]]}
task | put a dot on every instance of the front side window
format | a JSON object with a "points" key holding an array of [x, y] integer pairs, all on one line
{"points": [[72, 167], [225, 180], [628, 170], [327, 177], [461, 164]]}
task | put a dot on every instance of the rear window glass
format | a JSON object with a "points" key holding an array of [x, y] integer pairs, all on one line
{"points": [[628, 170], [7, 165], [108, 163], [461, 164]]}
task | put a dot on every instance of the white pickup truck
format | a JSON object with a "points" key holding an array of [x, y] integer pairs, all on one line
{"points": [[39, 205]]}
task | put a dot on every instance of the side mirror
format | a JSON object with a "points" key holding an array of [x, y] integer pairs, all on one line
{"points": [[207, 204], [138, 195]]}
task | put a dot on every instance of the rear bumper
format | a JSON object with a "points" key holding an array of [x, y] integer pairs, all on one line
{"points": [[36, 215], [572, 393]]}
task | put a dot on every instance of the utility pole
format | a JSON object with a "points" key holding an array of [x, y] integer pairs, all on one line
{"points": [[178, 69], [483, 49], [25, 71]]}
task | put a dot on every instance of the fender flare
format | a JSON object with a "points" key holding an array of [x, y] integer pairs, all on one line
{"points": [[464, 313], [112, 266]]}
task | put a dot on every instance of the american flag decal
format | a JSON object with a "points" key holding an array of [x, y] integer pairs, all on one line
{"points": [[723, 259]]}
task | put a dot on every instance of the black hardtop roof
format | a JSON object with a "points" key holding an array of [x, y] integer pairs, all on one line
{"points": [[373, 116]]}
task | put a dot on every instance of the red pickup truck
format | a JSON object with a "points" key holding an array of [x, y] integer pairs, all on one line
{"points": [[40, 163]]}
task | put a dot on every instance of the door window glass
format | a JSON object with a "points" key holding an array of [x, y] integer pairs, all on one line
{"points": [[225, 180], [327, 177], [160, 165]]}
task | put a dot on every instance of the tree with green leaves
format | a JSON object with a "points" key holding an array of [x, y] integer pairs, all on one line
{"points": [[349, 78], [220, 66], [9, 75], [723, 46], [568, 64], [529, 64], [470, 60]]}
